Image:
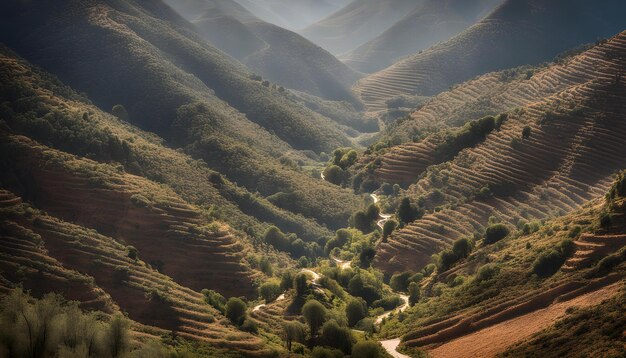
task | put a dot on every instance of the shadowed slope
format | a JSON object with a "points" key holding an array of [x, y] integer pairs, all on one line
{"points": [[429, 23], [516, 33], [275, 53], [357, 23]]}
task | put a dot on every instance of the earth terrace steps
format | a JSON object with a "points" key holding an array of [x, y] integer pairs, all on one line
{"points": [[590, 247], [165, 230]]}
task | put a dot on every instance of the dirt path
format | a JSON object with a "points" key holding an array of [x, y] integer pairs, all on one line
{"points": [[391, 345], [383, 217], [405, 298], [492, 340]]}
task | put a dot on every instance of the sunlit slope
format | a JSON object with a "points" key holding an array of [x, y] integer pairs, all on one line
{"points": [[568, 158], [430, 22], [492, 94], [518, 32]]}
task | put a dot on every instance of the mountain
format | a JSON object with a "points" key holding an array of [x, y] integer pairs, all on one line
{"points": [[429, 23], [518, 32], [572, 114], [292, 15], [357, 23], [281, 56], [173, 83]]}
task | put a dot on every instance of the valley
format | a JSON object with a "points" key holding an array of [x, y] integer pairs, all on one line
{"points": [[325, 179]]}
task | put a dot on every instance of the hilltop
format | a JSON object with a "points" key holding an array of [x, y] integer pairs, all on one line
{"points": [[356, 23], [429, 23], [518, 32], [279, 55]]}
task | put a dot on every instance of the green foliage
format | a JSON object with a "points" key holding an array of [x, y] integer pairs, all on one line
{"points": [[388, 303], [322, 352], [460, 250], [526, 132], [548, 263], [249, 326], [607, 264], [342, 237], [365, 221], [400, 281], [469, 135], [388, 228], [414, 293], [408, 211], [314, 314], [286, 280], [618, 189], [276, 238], [356, 310], [495, 233], [367, 349], [364, 286], [487, 272], [270, 291], [236, 310], [500, 119], [133, 254], [215, 299], [334, 174], [300, 285], [337, 337], [293, 331]]}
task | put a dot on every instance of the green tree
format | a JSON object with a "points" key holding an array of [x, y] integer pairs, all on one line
{"points": [[276, 238], [414, 293], [408, 211], [388, 228], [495, 233], [293, 331], [314, 314], [337, 337], [215, 299], [117, 336], [133, 254], [270, 291], [322, 352], [526, 132], [334, 174], [356, 310], [300, 285], [367, 349], [236, 310], [400, 281]]}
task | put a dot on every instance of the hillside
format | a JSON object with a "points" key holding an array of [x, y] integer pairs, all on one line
{"points": [[279, 55], [357, 23], [511, 176], [292, 15], [428, 24], [178, 106], [518, 32]]}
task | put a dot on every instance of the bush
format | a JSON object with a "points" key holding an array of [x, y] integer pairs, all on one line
{"points": [[215, 299], [548, 263], [400, 281], [337, 337], [293, 331], [236, 310], [526, 132], [367, 349], [334, 174], [270, 291], [487, 272], [314, 314], [286, 280], [300, 285], [356, 310], [388, 228], [133, 254], [495, 233], [276, 238], [408, 212], [249, 326], [462, 248], [120, 112], [388, 303], [321, 352]]}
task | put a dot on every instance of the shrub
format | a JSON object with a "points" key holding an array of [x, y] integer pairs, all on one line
{"points": [[236, 310], [249, 326], [215, 299], [334, 174], [321, 352], [526, 132], [487, 272], [276, 238], [607, 264], [446, 259], [462, 248], [286, 280], [408, 211], [500, 119], [548, 263], [270, 291], [356, 310], [367, 349], [400, 281], [388, 228], [120, 112], [388, 303], [314, 314], [414, 293], [337, 337], [133, 254], [495, 233]]}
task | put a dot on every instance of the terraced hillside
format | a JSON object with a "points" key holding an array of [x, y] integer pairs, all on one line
{"points": [[292, 15], [281, 56], [491, 94], [568, 155], [357, 23], [518, 32], [429, 23], [169, 234], [503, 294], [175, 96], [47, 254]]}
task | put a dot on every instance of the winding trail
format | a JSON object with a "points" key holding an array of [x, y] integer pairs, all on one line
{"points": [[383, 217]]}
